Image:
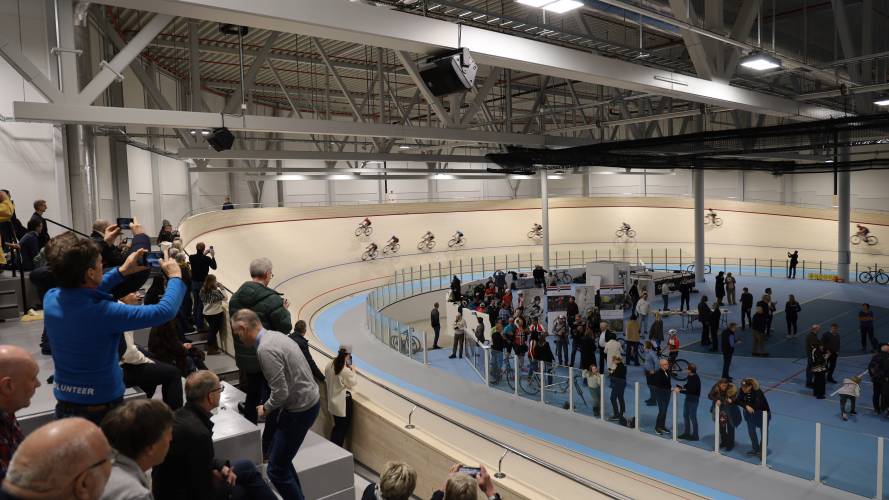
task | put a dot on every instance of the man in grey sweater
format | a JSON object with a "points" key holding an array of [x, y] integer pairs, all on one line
{"points": [[293, 404]]}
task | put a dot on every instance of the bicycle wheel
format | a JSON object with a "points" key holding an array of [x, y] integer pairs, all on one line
{"points": [[396, 247], [430, 245], [619, 233], [631, 233], [881, 277], [510, 377], [717, 222], [394, 342], [690, 268], [855, 239], [706, 220], [531, 386], [415, 345], [359, 231], [865, 276], [365, 255], [421, 246], [452, 242], [679, 370], [871, 240], [368, 231], [532, 234]]}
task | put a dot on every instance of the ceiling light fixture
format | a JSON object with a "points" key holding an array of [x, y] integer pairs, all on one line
{"points": [[443, 177], [882, 102], [404, 147], [760, 61], [556, 6]]}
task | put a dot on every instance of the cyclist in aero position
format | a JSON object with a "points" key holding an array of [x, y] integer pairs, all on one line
{"points": [[711, 215], [863, 231], [365, 223], [428, 236], [458, 236], [371, 250], [392, 241], [626, 227]]}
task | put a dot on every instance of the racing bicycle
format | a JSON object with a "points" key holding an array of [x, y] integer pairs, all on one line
{"points": [[678, 368], [426, 244], [870, 239], [391, 248], [625, 231], [364, 230], [876, 275], [369, 254], [536, 232], [406, 343], [691, 268], [531, 385], [456, 241], [715, 220]]}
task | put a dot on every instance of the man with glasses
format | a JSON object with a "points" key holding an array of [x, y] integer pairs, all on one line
{"points": [[67, 458], [190, 470], [271, 307]]}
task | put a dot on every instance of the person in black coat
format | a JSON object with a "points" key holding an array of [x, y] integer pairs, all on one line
{"points": [[759, 326], [660, 383], [753, 403], [190, 470], [29, 245], [831, 342], [728, 349], [794, 260], [692, 391], [588, 347], [715, 317], [39, 210], [618, 380], [539, 274], [299, 336], [791, 314], [684, 295], [704, 317], [720, 287], [746, 307], [456, 295]]}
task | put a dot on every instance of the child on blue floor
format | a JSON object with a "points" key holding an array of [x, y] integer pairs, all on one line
{"points": [[850, 391]]}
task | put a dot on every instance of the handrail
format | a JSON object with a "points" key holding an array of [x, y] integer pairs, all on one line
{"points": [[604, 490]]}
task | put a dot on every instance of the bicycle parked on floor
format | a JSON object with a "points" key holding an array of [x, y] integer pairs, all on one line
{"points": [[874, 274], [505, 372], [403, 340], [678, 368], [691, 268], [531, 384]]}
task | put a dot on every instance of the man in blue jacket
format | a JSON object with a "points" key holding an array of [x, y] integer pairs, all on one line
{"points": [[85, 324]]}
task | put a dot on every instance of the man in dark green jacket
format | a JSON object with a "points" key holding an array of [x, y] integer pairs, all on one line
{"points": [[271, 307]]}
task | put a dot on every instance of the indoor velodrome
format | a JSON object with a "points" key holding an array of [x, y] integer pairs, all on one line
{"points": [[444, 249]]}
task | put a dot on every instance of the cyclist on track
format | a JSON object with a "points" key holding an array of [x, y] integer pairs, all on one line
{"points": [[428, 236], [365, 223], [863, 231], [371, 249], [537, 228], [392, 241], [626, 227], [711, 215], [458, 236]]}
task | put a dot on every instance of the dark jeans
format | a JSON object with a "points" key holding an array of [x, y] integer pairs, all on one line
{"points": [[618, 405], [877, 396], [150, 375], [437, 331], [93, 413], [705, 333], [341, 425], [769, 319], [197, 313], [714, 337], [633, 353], [867, 332], [791, 325], [602, 362], [257, 391], [791, 273], [754, 421], [562, 350], [666, 302], [808, 372], [215, 321], [690, 416], [250, 485], [684, 302], [726, 364], [662, 396], [575, 349], [831, 365], [648, 379], [459, 345], [745, 315], [290, 431], [819, 379]]}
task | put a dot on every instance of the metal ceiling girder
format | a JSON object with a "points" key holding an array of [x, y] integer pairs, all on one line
{"points": [[411, 67], [699, 49], [369, 25], [249, 154], [15, 58], [100, 115], [114, 70], [250, 77]]}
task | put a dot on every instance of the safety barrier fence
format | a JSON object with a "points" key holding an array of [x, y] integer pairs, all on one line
{"points": [[820, 452]]}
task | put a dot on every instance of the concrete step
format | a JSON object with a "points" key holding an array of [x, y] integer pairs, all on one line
{"points": [[235, 437]]}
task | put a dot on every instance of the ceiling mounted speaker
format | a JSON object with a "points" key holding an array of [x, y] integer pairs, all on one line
{"points": [[221, 139], [449, 72], [233, 29]]}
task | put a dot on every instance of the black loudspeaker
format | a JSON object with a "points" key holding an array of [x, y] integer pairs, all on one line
{"points": [[449, 72], [221, 139]]}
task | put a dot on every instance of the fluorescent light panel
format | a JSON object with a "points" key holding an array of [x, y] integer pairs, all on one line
{"points": [[562, 6], [535, 3], [884, 102], [759, 61]]}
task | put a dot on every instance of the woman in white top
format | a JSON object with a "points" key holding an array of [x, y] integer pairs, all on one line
{"points": [[340, 377], [459, 336], [213, 296]]}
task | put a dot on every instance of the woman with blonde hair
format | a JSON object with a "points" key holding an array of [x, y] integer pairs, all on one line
{"points": [[397, 482], [212, 295]]}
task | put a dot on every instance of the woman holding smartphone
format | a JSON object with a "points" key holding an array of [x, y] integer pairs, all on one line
{"points": [[340, 377], [212, 295]]}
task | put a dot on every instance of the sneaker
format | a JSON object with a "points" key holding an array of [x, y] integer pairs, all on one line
{"points": [[661, 431], [613, 418], [853, 412], [753, 453], [844, 417], [452, 356]]}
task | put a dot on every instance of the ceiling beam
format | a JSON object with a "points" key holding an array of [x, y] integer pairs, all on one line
{"points": [[250, 77], [370, 25], [250, 154], [27, 70], [99, 115]]}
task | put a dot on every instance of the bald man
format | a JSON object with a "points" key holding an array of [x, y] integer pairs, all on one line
{"points": [[18, 381], [68, 459]]}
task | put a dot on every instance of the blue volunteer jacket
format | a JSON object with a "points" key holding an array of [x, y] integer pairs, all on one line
{"points": [[84, 327]]}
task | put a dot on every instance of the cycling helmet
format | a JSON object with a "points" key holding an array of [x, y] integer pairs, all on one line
{"points": [[672, 332]]}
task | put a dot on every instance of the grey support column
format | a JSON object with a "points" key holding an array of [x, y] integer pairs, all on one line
{"points": [[698, 184], [844, 215], [544, 219]]}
